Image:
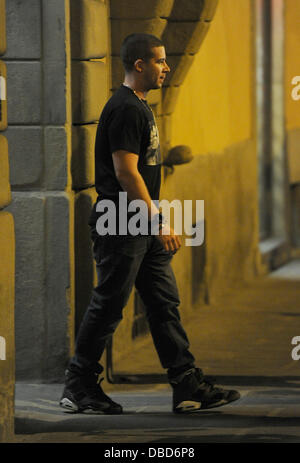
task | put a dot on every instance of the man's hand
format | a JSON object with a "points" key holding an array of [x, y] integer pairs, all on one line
{"points": [[168, 238]]}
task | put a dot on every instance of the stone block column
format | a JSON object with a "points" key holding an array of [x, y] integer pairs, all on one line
{"points": [[38, 135], [89, 20]]}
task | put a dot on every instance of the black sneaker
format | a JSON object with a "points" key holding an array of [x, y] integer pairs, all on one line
{"points": [[83, 394], [194, 392]]}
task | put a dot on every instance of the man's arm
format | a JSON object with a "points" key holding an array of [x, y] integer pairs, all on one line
{"points": [[126, 169]]}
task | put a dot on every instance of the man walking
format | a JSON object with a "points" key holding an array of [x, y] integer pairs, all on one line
{"points": [[127, 159]]}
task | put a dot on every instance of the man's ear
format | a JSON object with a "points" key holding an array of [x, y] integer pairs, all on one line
{"points": [[138, 65]]}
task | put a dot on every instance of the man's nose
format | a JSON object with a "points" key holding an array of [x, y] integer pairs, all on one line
{"points": [[167, 68]]}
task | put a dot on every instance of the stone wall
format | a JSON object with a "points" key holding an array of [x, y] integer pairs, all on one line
{"points": [[182, 26], [37, 134], [7, 259], [90, 49], [62, 61]]}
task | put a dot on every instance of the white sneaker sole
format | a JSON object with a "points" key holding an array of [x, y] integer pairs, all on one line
{"points": [[68, 405], [187, 406], [71, 407]]}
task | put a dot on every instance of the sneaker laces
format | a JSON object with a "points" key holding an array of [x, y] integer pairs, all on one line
{"points": [[178, 379], [93, 384], [209, 384], [95, 389], [206, 382], [209, 380]]}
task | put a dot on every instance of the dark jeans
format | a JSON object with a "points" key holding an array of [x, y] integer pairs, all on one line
{"points": [[121, 262]]}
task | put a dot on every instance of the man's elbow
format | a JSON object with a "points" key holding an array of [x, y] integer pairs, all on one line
{"points": [[126, 177]]}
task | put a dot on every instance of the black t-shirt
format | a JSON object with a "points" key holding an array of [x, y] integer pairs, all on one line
{"points": [[126, 123]]}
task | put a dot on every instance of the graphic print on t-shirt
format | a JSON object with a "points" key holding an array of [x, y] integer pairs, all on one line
{"points": [[152, 156]]}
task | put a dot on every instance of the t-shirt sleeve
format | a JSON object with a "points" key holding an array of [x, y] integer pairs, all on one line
{"points": [[125, 130]]}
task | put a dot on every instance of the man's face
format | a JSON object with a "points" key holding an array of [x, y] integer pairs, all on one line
{"points": [[155, 69]]}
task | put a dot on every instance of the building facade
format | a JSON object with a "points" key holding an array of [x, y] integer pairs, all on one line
{"points": [[234, 108]]}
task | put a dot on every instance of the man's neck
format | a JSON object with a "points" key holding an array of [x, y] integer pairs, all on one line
{"points": [[136, 87]]}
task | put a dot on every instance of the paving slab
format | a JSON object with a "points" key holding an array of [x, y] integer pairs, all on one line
{"points": [[266, 414]]}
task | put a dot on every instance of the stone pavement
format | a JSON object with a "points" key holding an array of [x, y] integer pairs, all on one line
{"points": [[244, 339], [265, 413]]}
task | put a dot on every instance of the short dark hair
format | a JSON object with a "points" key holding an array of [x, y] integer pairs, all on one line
{"points": [[138, 46]]}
